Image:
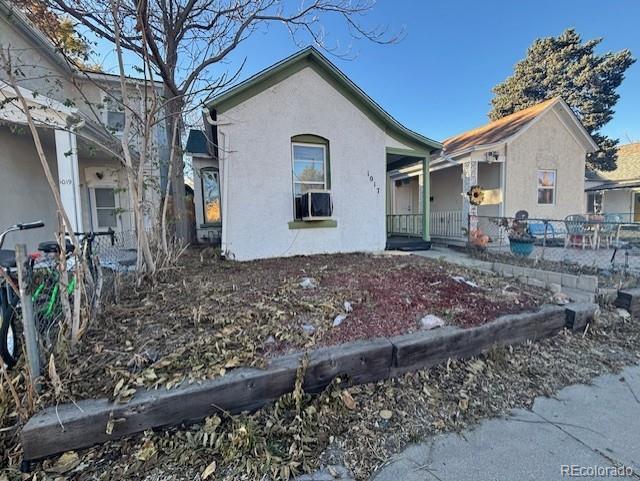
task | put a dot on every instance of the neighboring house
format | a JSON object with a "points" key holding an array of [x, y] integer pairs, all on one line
{"points": [[618, 191], [78, 125], [206, 187], [531, 160], [296, 127]]}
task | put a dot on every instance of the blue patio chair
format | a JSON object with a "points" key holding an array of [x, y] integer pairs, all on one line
{"points": [[578, 232], [537, 228]]}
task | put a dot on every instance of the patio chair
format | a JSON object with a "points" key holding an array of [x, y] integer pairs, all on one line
{"points": [[610, 230], [542, 229], [578, 232]]}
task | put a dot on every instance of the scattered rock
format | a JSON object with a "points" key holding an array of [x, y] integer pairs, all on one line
{"points": [[385, 414], [338, 320], [309, 328], [308, 283], [347, 306], [270, 340], [66, 462], [623, 313], [560, 298], [431, 322], [462, 280]]}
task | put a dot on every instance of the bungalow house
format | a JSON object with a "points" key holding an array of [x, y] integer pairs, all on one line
{"points": [[78, 124], [531, 160], [295, 160], [617, 192]]}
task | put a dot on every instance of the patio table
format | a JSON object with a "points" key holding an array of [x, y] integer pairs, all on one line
{"points": [[593, 226]]}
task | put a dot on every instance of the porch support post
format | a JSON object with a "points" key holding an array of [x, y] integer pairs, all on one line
{"points": [[469, 179], [68, 176], [426, 195]]}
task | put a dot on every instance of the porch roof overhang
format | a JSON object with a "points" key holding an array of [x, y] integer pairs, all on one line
{"points": [[49, 113], [442, 159], [633, 184]]}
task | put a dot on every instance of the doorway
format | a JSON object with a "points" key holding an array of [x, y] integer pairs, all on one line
{"points": [[636, 207], [406, 196]]}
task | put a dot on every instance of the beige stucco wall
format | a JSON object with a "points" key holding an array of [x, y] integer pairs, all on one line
{"points": [[25, 196], [41, 73], [446, 189], [547, 144], [257, 172]]}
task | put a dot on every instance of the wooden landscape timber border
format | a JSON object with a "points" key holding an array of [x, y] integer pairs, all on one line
{"points": [[81, 425], [630, 300]]}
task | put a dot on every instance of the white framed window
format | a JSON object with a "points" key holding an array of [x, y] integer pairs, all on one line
{"points": [[546, 182], [210, 179], [113, 114], [105, 207], [309, 167]]}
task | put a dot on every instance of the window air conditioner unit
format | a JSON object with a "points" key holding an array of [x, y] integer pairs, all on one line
{"points": [[316, 205]]}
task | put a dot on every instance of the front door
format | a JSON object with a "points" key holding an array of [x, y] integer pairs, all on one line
{"points": [[406, 193], [636, 206]]}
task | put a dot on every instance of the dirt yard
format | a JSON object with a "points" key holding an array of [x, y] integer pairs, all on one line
{"points": [[210, 315]]}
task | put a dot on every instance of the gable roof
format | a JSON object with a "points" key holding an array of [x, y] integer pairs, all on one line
{"points": [[627, 165], [196, 143], [311, 57], [503, 129]]}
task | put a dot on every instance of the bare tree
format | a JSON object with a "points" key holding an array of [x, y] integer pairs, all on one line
{"points": [[185, 40]]}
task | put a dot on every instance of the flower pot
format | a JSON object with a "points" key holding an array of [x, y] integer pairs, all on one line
{"points": [[521, 247]]}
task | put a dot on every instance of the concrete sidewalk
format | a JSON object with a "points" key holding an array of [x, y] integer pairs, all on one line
{"points": [[584, 426]]}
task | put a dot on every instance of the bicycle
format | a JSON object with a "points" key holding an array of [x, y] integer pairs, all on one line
{"points": [[9, 298], [46, 295]]}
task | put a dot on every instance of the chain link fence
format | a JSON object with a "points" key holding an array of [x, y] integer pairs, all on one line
{"points": [[108, 256], [597, 244]]}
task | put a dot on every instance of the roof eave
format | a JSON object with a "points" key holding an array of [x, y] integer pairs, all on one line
{"points": [[34, 35], [314, 56]]}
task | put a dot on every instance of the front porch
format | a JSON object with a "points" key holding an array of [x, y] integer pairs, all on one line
{"points": [[91, 182], [407, 219]]}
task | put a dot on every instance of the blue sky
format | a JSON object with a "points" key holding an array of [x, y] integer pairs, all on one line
{"points": [[438, 79]]}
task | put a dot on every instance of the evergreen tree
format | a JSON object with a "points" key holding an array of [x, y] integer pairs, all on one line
{"points": [[566, 66]]}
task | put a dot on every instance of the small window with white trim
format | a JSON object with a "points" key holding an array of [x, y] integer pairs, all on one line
{"points": [[309, 167], [114, 114], [546, 180], [105, 208]]}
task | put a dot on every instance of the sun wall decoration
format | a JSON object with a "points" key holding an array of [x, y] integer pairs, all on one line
{"points": [[476, 195]]}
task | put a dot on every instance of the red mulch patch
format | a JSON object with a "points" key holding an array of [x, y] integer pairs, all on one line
{"points": [[395, 300]]}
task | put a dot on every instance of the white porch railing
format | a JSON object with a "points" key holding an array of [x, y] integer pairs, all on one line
{"points": [[448, 224], [404, 225]]}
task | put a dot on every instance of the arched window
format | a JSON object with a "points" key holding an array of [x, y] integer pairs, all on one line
{"points": [[210, 195], [310, 166]]}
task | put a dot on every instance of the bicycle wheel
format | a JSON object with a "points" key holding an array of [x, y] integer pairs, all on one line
{"points": [[9, 349]]}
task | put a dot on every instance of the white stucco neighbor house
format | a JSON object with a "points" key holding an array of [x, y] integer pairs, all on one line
{"points": [[78, 124], [532, 160], [617, 192], [296, 160]]}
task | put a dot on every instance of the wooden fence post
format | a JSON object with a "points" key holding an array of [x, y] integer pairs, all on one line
{"points": [[28, 318]]}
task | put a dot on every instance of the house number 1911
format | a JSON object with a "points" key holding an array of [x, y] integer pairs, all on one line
{"points": [[371, 179]]}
